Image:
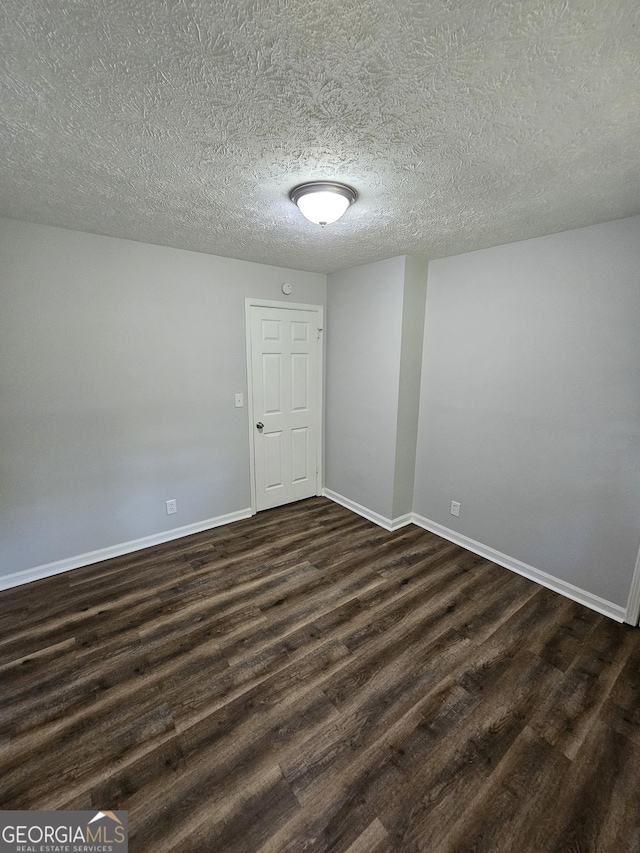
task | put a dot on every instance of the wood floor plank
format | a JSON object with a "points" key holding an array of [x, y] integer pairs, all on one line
{"points": [[599, 796], [374, 839], [502, 809], [566, 715], [306, 681], [452, 769]]}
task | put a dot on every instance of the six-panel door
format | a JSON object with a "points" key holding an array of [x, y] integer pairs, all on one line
{"points": [[284, 367]]}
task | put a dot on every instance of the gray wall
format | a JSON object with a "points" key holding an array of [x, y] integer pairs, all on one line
{"points": [[374, 339], [530, 402], [119, 362], [413, 308], [364, 331]]}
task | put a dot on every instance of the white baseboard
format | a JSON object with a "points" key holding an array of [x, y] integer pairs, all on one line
{"points": [[600, 605], [50, 569], [369, 514], [581, 596]]}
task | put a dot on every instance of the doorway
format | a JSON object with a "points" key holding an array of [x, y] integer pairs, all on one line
{"points": [[284, 370]]}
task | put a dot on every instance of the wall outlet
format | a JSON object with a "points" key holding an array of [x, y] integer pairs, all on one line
{"points": [[455, 508], [172, 506]]}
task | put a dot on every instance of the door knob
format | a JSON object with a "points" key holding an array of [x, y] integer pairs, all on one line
{"points": [[260, 425]]}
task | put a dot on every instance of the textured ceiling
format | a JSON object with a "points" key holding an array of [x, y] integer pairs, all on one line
{"points": [[186, 123]]}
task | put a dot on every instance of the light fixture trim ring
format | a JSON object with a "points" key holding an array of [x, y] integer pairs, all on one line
{"points": [[323, 186]]}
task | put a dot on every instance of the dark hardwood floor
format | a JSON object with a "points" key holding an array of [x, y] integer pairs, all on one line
{"points": [[305, 681]]}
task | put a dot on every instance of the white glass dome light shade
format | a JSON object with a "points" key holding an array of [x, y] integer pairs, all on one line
{"points": [[323, 202], [322, 208]]}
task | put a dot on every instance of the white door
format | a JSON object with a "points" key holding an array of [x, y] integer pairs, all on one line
{"points": [[284, 386]]}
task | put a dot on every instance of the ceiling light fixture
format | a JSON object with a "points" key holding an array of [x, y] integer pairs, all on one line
{"points": [[323, 202]]}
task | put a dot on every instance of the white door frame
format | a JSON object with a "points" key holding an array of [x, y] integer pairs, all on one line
{"points": [[249, 303], [632, 615]]}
